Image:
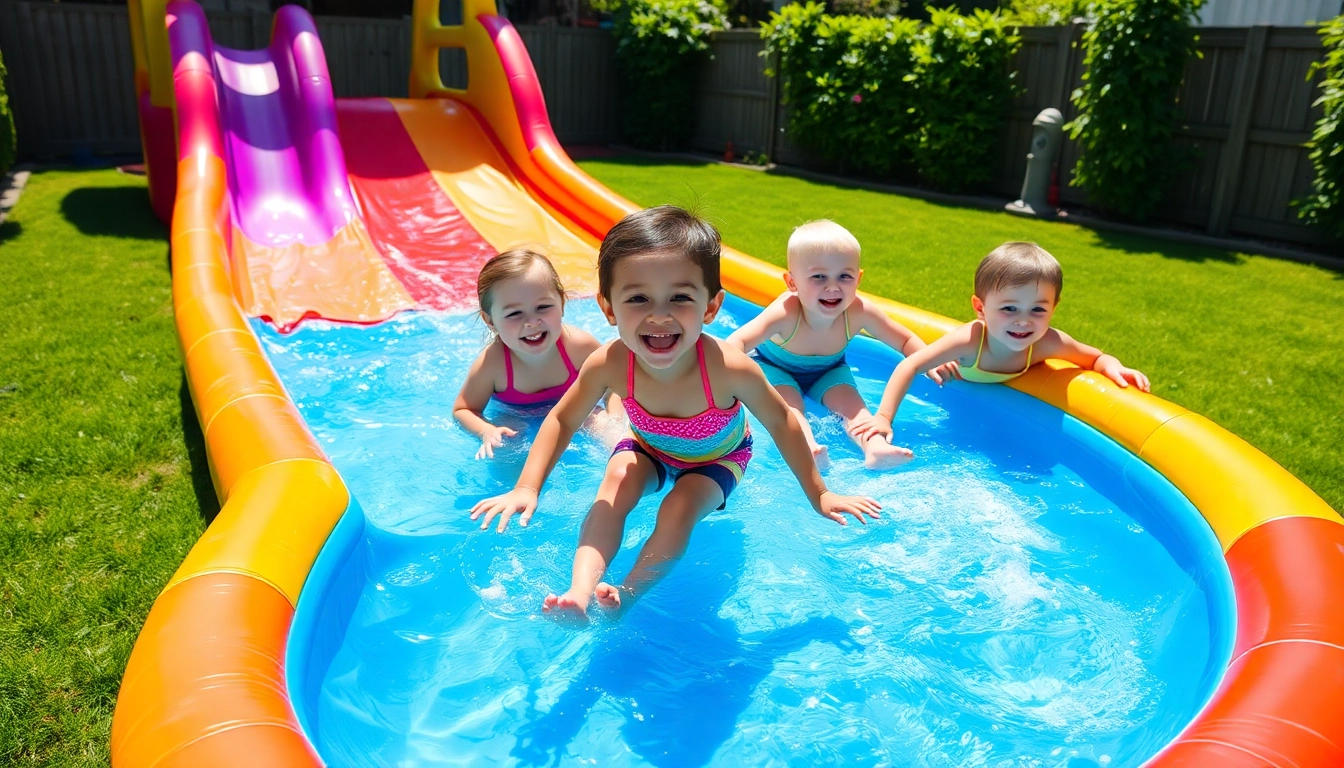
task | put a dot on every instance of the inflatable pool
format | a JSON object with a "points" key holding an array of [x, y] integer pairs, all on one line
{"points": [[1069, 575]]}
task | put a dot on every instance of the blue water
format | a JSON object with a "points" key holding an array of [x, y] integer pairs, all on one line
{"points": [[1032, 596]]}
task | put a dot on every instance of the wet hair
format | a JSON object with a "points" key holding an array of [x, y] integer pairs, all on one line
{"points": [[1017, 263], [821, 236], [513, 264], [664, 228]]}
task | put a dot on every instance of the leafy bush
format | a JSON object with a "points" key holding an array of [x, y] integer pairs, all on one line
{"points": [[7, 137], [845, 78], [882, 95], [866, 7], [964, 85], [660, 45], [1325, 205], [1127, 113], [1047, 13]]}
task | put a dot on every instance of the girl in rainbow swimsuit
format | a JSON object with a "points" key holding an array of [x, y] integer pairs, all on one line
{"points": [[658, 283]]}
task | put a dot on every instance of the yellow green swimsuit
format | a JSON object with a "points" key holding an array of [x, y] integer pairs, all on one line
{"points": [[980, 376]]}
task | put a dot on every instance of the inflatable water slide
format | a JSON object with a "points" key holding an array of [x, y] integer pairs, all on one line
{"points": [[288, 204]]}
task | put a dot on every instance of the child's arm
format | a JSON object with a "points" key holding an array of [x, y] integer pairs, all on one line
{"points": [[1060, 345], [895, 335], [750, 386], [553, 437], [473, 398], [951, 347], [580, 345], [761, 327]]}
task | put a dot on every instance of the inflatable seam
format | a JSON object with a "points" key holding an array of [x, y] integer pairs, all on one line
{"points": [[226, 729], [1283, 641]]}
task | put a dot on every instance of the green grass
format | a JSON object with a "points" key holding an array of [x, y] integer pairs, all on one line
{"points": [[103, 482], [103, 487], [1254, 343]]}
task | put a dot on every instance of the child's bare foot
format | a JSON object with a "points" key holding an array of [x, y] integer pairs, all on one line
{"points": [[566, 604], [821, 456], [880, 454], [608, 597]]}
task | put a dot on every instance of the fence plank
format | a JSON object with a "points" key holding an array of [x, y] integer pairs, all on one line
{"points": [[1243, 98]]}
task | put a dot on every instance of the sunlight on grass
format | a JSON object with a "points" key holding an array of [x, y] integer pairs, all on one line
{"points": [[98, 500]]}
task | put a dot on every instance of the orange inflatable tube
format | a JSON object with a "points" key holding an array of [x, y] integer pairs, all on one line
{"points": [[205, 685]]}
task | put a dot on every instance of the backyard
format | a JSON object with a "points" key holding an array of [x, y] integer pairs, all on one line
{"points": [[103, 481]]}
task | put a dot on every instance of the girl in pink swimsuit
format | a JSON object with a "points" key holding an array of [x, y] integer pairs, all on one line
{"points": [[534, 358], [685, 392]]}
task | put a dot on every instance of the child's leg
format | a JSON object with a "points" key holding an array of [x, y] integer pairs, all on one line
{"points": [[693, 497], [629, 476], [845, 400], [794, 399]]}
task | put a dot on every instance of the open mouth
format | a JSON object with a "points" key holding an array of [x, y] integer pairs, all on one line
{"points": [[1020, 335], [660, 342], [831, 303], [535, 340]]}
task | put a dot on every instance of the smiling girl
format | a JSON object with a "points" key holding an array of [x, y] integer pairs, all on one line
{"points": [[1017, 289], [684, 392], [534, 357]]}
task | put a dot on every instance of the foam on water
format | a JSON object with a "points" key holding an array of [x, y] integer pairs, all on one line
{"points": [[1011, 607]]}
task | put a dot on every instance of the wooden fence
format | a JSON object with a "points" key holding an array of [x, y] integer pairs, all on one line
{"points": [[1246, 105], [72, 87], [1247, 102]]}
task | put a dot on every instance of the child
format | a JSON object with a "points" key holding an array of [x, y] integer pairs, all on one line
{"points": [[658, 283], [534, 357], [799, 340], [1017, 289]]}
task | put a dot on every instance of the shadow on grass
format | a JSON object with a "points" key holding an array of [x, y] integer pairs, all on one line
{"points": [[1130, 243], [200, 466], [10, 230], [113, 211]]}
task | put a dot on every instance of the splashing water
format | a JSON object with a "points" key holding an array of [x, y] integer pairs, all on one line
{"points": [[1032, 596]]}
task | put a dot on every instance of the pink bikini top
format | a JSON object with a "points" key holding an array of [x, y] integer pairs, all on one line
{"points": [[708, 437], [548, 396]]}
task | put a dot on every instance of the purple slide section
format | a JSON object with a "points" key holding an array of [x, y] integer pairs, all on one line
{"points": [[277, 127]]}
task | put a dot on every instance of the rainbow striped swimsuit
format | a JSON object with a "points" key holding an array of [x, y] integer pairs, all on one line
{"points": [[715, 443]]}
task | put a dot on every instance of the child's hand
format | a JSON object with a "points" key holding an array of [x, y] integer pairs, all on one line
{"points": [[945, 372], [1111, 368], [835, 507], [865, 425], [520, 499], [492, 437]]}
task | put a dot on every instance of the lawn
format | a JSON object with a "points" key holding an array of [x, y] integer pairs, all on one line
{"points": [[103, 485], [103, 482], [1254, 343]]}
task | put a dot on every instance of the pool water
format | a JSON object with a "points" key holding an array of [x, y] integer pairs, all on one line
{"points": [[1033, 595]]}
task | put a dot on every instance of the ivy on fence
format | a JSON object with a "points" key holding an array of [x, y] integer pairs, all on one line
{"points": [[1325, 205], [7, 137], [660, 45], [1127, 112], [885, 96]]}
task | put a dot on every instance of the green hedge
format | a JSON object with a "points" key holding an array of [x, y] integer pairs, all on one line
{"points": [[963, 84], [1127, 112], [1325, 205], [660, 45], [7, 136], [847, 81], [885, 96]]}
